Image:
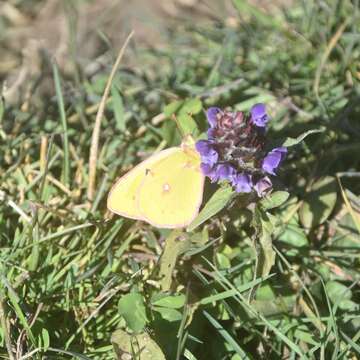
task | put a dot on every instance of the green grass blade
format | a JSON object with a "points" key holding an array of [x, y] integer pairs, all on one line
{"points": [[236, 347], [60, 101]]}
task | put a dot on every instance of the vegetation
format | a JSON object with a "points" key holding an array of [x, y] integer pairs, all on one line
{"points": [[275, 281]]}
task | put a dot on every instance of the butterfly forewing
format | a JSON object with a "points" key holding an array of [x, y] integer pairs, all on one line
{"points": [[123, 197], [172, 190]]}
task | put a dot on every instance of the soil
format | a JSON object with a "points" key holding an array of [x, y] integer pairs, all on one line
{"points": [[35, 31]]}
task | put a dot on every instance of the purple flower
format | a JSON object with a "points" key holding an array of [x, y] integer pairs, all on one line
{"points": [[207, 152], [212, 115], [234, 150], [258, 115], [225, 172], [211, 133], [242, 183], [273, 159], [263, 186], [206, 169], [210, 171]]}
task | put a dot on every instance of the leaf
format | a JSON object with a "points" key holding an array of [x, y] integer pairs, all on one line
{"points": [[172, 108], [168, 314], [280, 305], [265, 252], [191, 107], [176, 244], [222, 261], [294, 236], [170, 301], [118, 107], [132, 308], [337, 291], [187, 124], [274, 200], [216, 203], [140, 346], [303, 334], [45, 339], [319, 202], [288, 142], [341, 296], [183, 107]]}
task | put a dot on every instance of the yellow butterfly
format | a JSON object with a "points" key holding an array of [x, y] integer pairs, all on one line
{"points": [[165, 190]]}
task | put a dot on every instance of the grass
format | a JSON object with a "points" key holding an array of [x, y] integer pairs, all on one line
{"points": [[66, 263]]}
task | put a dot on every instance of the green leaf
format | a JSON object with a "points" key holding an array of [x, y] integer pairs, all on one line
{"points": [[176, 244], [216, 203], [280, 305], [294, 236], [303, 334], [168, 314], [274, 200], [337, 292], [191, 107], [223, 261], [184, 109], [319, 202], [132, 308], [140, 346], [118, 107], [187, 124], [45, 339], [170, 301], [288, 142], [341, 296], [173, 107], [266, 254]]}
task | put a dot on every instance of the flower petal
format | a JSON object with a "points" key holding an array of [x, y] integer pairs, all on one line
{"points": [[242, 183], [211, 133], [263, 186], [209, 171], [225, 172], [212, 115], [206, 169], [273, 159], [258, 115], [208, 154]]}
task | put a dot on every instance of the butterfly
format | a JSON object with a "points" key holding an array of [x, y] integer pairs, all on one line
{"points": [[165, 190]]}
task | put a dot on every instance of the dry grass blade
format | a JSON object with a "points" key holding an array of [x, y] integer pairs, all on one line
{"points": [[96, 132], [351, 211], [333, 41]]}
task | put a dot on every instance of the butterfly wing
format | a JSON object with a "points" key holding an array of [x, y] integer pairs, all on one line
{"points": [[123, 196], [171, 193]]}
